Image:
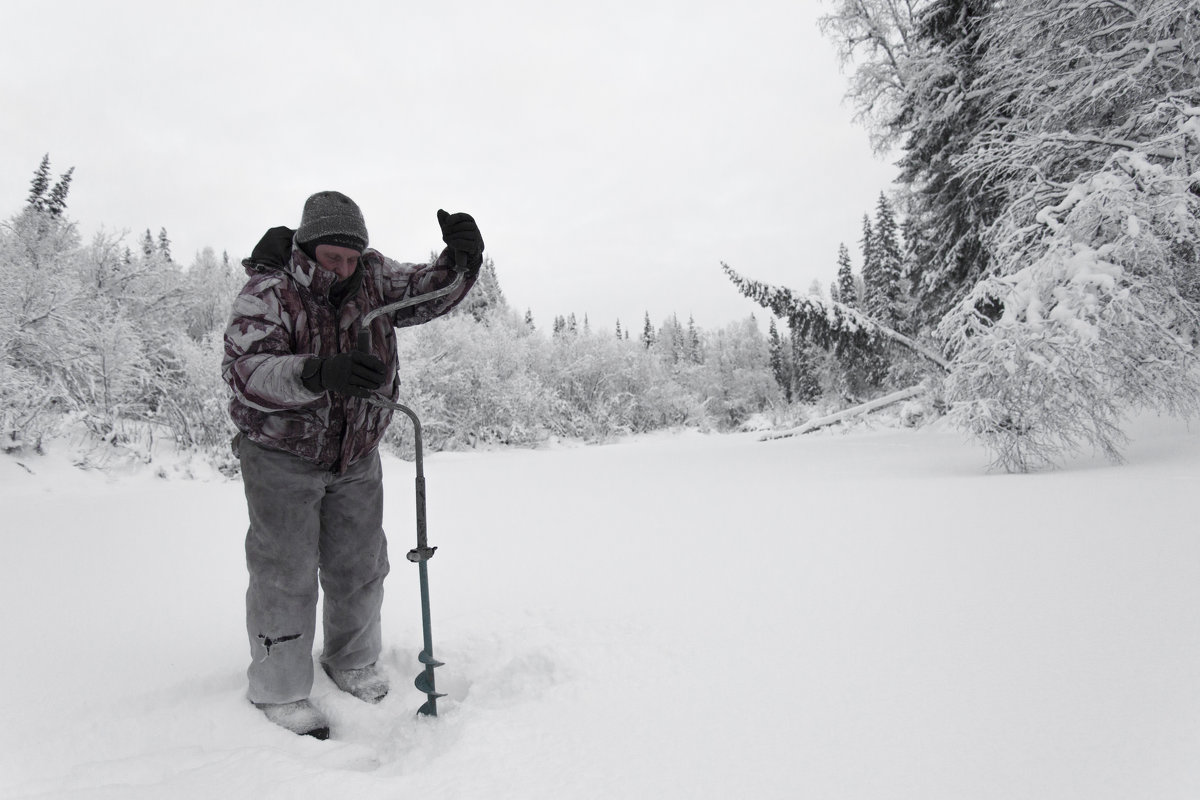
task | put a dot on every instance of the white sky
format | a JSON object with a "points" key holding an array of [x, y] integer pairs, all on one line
{"points": [[614, 153]]}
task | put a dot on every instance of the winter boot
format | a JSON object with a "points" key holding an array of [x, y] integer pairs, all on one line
{"points": [[366, 683], [300, 717]]}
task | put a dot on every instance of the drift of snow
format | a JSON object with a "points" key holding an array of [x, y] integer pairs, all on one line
{"points": [[863, 615]]}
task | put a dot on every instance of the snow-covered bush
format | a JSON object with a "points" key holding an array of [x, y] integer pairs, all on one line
{"points": [[192, 398], [25, 418], [735, 380], [1101, 321], [472, 383]]}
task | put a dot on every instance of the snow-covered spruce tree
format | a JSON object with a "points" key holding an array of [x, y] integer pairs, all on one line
{"points": [[847, 290], [163, 247], [647, 337], [884, 300], [806, 369], [884, 290], [943, 108], [46, 198], [693, 346], [782, 364]]}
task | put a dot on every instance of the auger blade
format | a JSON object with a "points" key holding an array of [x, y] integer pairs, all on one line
{"points": [[424, 683], [425, 658]]}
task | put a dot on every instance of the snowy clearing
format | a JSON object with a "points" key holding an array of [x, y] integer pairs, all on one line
{"points": [[862, 615]]}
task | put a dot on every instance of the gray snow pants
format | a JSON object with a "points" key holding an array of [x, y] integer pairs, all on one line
{"points": [[306, 521]]}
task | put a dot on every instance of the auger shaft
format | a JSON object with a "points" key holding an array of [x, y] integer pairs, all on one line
{"points": [[420, 555], [422, 552]]}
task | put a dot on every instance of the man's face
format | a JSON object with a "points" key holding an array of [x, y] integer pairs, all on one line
{"points": [[340, 260]]}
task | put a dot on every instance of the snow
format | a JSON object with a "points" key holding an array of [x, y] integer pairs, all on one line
{"points": [[841, 615]]}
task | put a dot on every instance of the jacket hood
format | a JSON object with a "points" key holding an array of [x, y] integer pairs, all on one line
{"points": [[279, 251]]}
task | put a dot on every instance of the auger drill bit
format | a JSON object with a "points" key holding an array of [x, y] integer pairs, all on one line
{"points": [[421, 554]]}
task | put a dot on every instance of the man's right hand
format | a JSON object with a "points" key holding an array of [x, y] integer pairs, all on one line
{"points": [[354, 373]]}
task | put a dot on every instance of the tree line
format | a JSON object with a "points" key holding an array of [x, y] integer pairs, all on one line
{"points": [[126, 343]]}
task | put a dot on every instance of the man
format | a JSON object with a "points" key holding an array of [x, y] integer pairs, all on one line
{"points": [[308, 442]]}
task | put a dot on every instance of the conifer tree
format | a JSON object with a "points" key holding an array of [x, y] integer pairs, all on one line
{"points": [[648, 337], [57, 203], [888, 267], [40, 185], [781, 360], [945, 107], [870, 262], [806, 387], [677, 343], [847, 292], [164, 245], [695, 349], [46, 198]]}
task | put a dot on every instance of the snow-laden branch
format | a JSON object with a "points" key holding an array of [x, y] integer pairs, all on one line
{"points": [[826, 323]]}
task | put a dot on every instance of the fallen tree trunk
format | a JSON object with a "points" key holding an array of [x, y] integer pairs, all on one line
{"points": [[849, 413]]}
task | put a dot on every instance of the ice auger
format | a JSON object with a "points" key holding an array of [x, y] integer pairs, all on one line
{"points": [[421, 554]]}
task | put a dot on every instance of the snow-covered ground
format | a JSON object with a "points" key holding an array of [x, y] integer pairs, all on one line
{"points": [[862, 615]]}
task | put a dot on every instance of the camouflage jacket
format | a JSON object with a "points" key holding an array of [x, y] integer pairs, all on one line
{"points": [[284, 316]]}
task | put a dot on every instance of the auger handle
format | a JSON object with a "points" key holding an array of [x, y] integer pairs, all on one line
{"points": [[364, 333]]}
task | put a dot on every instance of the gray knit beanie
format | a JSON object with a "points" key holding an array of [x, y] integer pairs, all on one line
{"points": [[331, 218]]}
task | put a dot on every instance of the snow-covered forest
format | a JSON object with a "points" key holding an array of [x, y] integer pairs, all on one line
{"points": [[1044, 279], [1034, 272]]}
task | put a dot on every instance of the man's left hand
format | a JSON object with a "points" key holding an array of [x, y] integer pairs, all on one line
{"points": [[461, 234]]}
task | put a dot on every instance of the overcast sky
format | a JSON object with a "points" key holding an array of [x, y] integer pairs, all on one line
{"points": [[614, 153]]}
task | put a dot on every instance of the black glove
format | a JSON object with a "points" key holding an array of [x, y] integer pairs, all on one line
{"points": [[274, 249], [356, 373], [461, 234]]}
